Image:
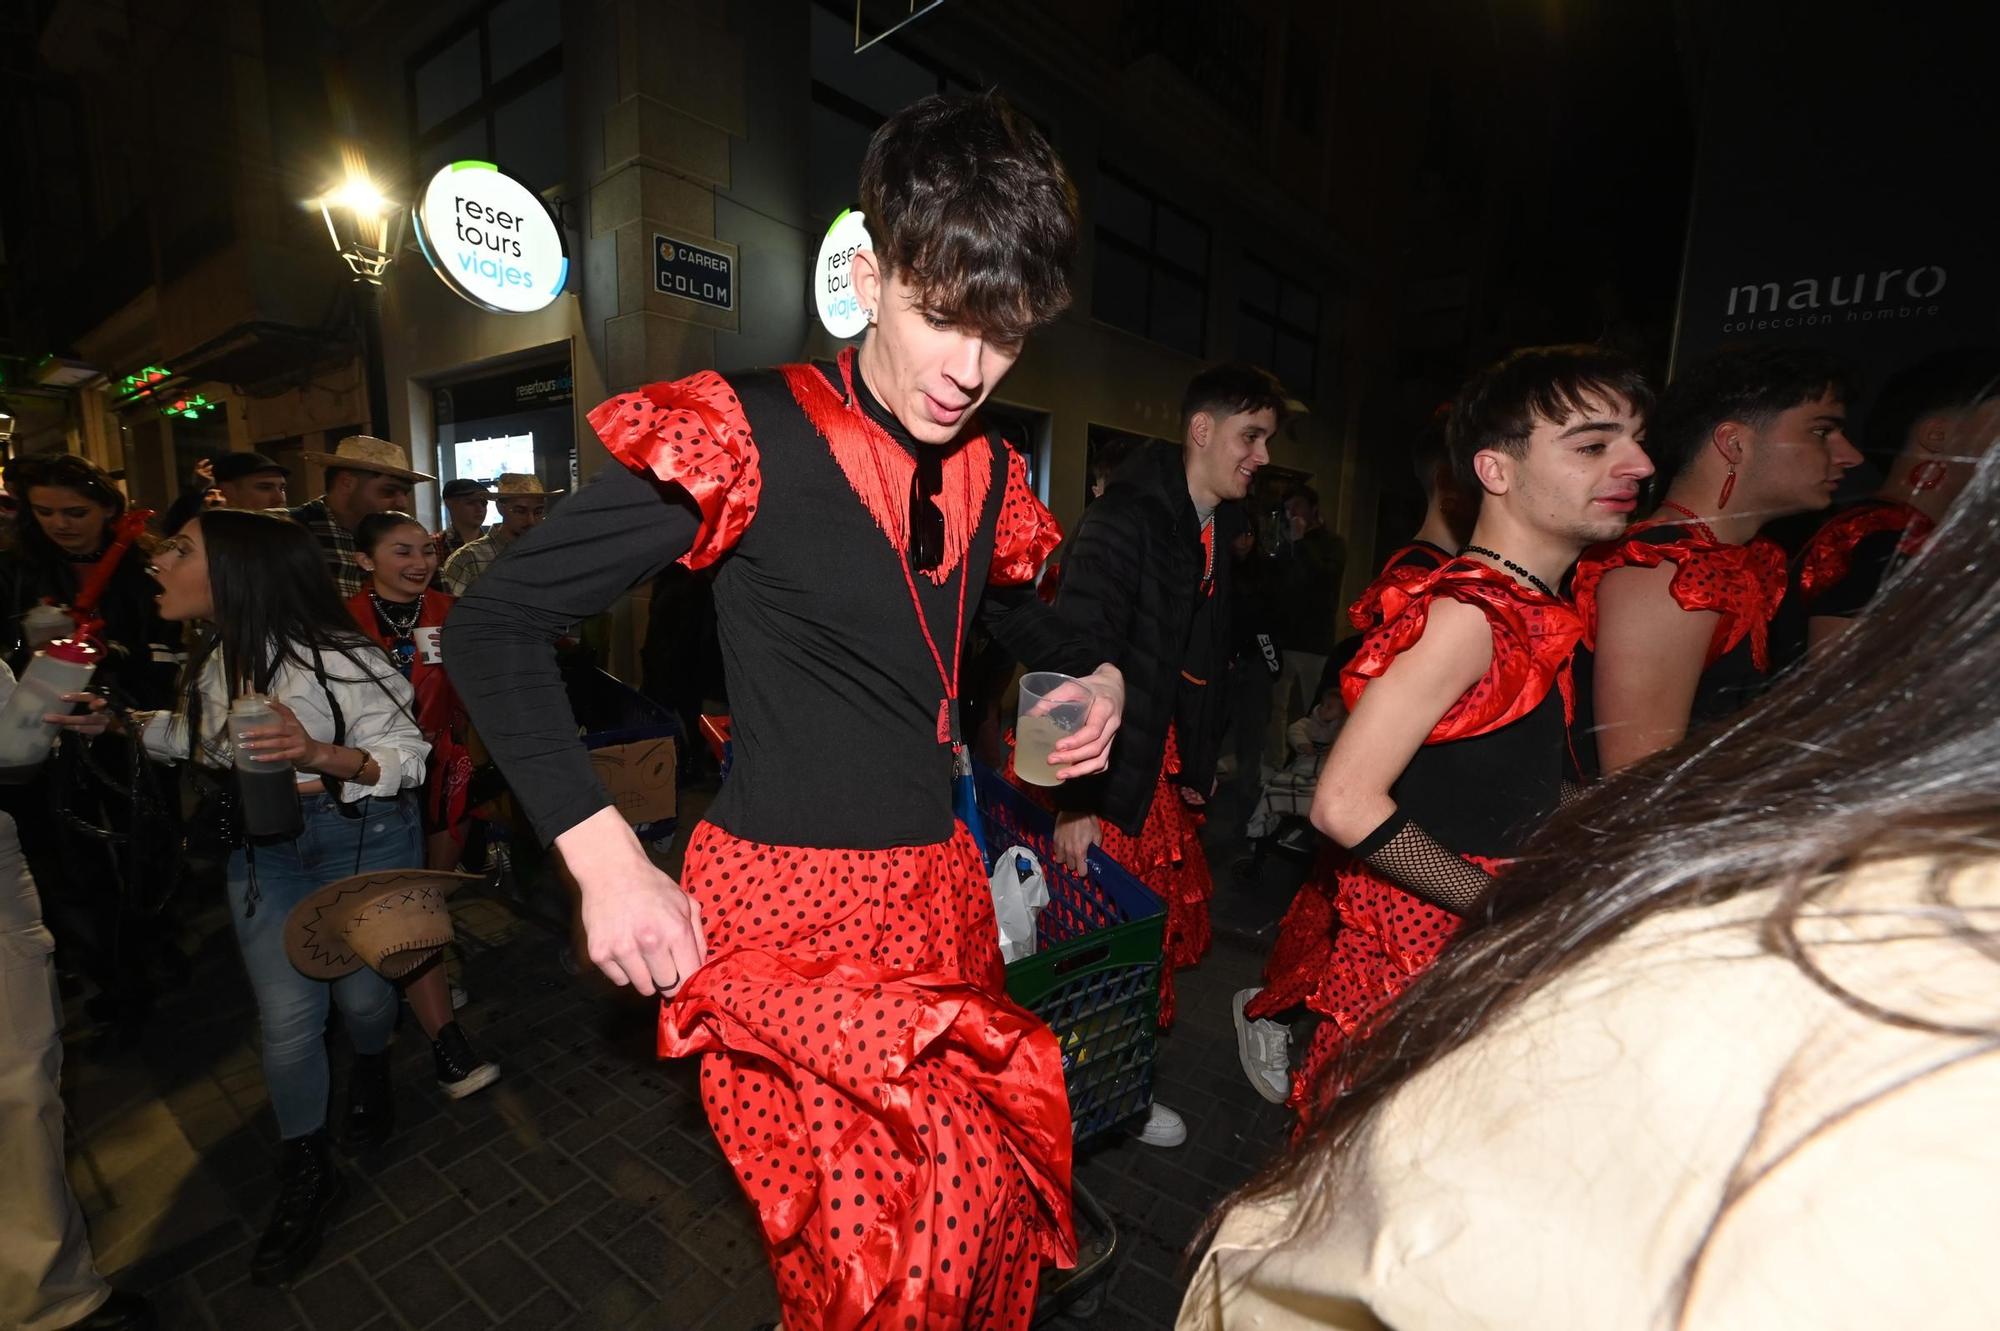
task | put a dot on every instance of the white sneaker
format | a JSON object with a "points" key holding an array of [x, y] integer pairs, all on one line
{"points": [[1163, 1127], [1265, 1050]]}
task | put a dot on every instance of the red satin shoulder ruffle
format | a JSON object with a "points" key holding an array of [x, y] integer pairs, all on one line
{"points": [[1534, 638], [1830, 553], [1026, 533], [1742, 583], [691, 433]]}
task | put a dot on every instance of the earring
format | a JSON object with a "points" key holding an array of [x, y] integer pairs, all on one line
{"points": [[870, 314], [1728, 482], [1927, 475]]}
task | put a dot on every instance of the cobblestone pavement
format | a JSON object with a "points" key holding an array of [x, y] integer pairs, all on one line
{"points": [[583, 1190]]}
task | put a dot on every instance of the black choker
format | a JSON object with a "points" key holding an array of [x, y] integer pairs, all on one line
{"points": [[1511, 567]]}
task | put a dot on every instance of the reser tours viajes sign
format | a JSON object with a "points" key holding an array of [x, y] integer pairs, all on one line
{"points": [[491, 239]]}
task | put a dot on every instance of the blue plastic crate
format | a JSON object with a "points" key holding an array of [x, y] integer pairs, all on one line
{"points": [[1095, 974]]}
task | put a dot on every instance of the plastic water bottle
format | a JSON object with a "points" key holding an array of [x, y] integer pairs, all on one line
{"points": [[64, 666], [267, 789]]}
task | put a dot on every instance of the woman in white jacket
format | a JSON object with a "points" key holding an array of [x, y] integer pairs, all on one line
{"points": [[344, 722]]}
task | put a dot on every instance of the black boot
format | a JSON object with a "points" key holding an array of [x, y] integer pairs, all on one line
{"points": [[371, 1105], [460, 1071], [312, 1190]]}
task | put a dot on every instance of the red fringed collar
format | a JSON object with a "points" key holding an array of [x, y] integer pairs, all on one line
{"points": [[1830, 553], [879, 470]]}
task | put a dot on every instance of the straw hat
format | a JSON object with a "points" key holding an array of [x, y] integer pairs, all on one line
{"points": [[392, 920], [518, 484], [364, 452]]}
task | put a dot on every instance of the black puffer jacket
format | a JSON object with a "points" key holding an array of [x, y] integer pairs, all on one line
{"points": [[1131, 582]]}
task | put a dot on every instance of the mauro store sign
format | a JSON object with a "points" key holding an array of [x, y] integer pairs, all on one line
{"points": [[491, 239]]}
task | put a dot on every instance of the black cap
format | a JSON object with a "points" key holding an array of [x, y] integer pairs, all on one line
{"points": [[465, 487], [236, 466]]}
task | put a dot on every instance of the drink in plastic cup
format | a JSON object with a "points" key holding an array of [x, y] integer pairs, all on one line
{"points": [[267, 791], [1052, 706]]}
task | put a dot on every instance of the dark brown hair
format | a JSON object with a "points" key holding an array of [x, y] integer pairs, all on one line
{"points": [[965, 198], [64, 471], [1231, 389], [1498, 407], [371, 530], [1850, 762], [1748, 385]]}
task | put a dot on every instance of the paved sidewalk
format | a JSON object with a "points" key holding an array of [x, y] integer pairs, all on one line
{"points": [[581, 1191]]}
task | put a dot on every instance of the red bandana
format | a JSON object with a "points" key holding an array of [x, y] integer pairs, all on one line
{"points": [[879, 471]]}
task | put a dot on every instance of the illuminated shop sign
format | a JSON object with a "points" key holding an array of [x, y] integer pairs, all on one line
{"points": [[492, 239]]}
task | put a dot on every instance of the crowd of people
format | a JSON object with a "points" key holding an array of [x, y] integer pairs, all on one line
{"points": [[1655, 794], [331, 614]]}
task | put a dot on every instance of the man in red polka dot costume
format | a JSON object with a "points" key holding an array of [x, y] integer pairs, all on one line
{"points": [[1677, 614], [899, 1127], [1456, 744]]}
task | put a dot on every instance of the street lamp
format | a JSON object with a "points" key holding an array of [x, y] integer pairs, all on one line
{"points": [[367, 230]]}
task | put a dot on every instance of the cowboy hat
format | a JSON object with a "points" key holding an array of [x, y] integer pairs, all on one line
{"points": [[392, 920], [364, 452], [517, 485]]}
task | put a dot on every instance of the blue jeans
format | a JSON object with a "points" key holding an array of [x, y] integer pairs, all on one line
{"points": [[291, 1008]]}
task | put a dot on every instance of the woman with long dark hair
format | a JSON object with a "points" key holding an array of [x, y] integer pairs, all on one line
{"points": [[344, 722], [1730, 1051]]}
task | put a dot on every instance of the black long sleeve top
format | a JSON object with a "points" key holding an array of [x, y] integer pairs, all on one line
{"points": [[834, 692]]}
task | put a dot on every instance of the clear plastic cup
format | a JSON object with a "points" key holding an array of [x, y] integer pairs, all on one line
{"points": [[1052, 706]]}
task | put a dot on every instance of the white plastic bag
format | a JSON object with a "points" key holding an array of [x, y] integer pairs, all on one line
{"points": [[1019, 892]]}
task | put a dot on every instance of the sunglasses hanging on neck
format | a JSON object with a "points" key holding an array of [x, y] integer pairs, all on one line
{"points": [[926, 518]]}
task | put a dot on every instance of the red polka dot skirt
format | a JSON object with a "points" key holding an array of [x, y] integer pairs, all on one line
{"points": [[900, 1127], [1167, 857], [1347, 954]]}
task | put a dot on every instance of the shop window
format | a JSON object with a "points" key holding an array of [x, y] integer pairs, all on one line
{"points": [[1277, 325], [491, 88], [519, 418], [1152, 266], [484, 459]]}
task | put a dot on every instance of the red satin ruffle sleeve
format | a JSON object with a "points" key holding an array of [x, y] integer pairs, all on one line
{"points": [[1829, 554], [691, 433], [1742, 583], [1026, 532], [1534, 638]]}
